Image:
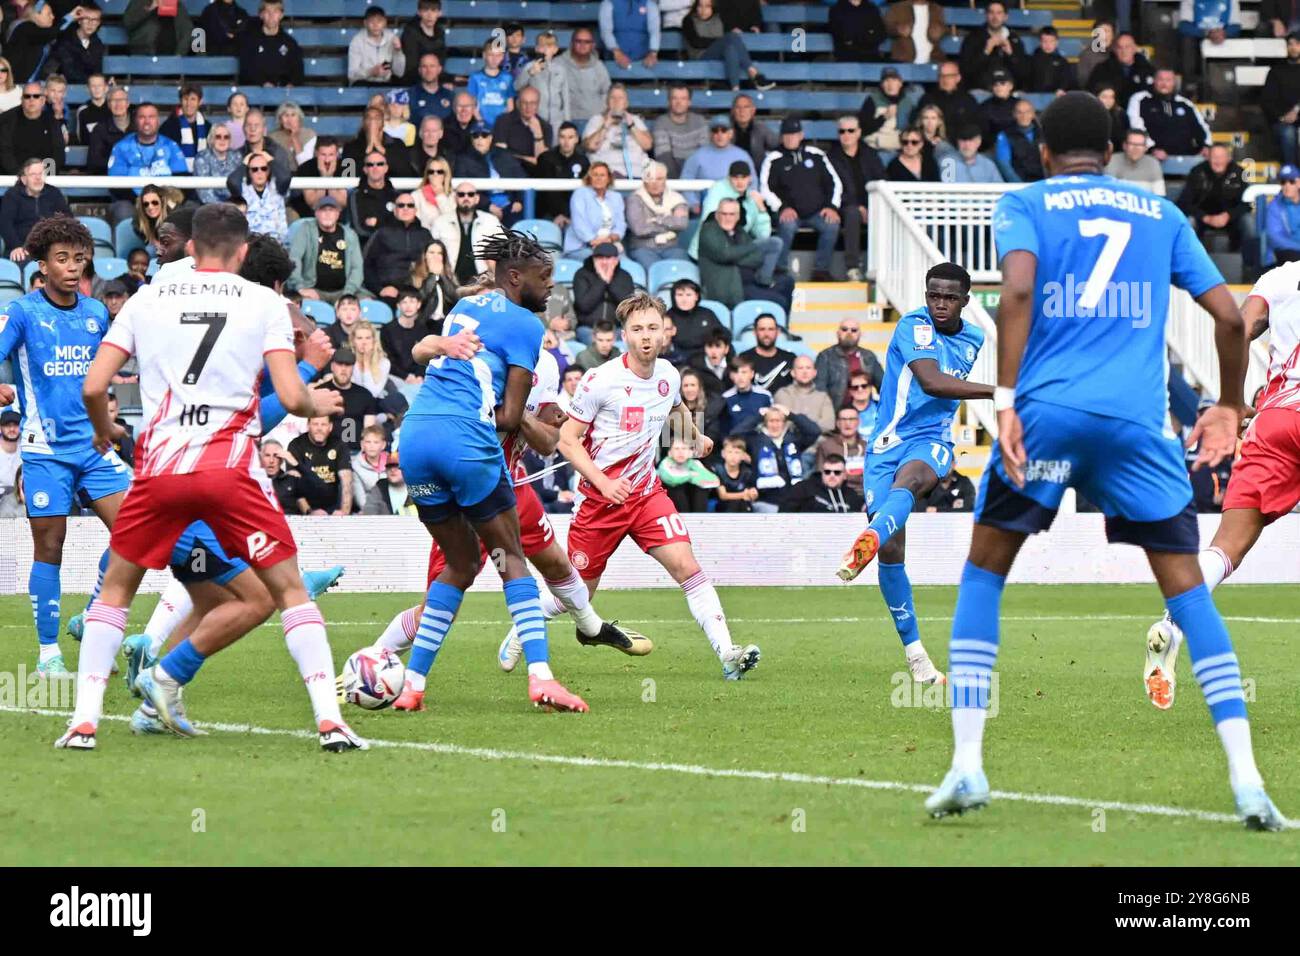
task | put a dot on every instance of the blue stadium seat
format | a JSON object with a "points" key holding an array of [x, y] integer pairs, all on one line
{"points": [[565, 270], [635, 270], [74, 157], [1179, 165], [110, 267], [30, 270], [668, 271], [101, 232], [137, 65], [376, 312], [11, 278], [125, 238], [745, 313], [322, 313], [719, 309], [154, 266], [544, 231]]}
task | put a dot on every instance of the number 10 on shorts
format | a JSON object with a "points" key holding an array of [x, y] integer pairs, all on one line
{"points": [[672, 526]]}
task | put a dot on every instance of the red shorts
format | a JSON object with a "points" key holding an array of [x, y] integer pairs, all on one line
{"points": [[240, 507], [535, 532], [598, 529], [1266, 477]]}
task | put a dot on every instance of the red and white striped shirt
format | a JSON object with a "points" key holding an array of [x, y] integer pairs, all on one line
{"points": [[545, 391], [1280, 288]]}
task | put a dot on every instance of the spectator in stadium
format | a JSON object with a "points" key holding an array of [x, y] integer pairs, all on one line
{"points": [[772, 365], [1199, 20], [707, 36], [78, 53], [737, 185], [390, 496], [856, 30], [487, 161], [422, 36], [432, 277], [596, 212], [1127, 70], [393, 248], [734, 267], [256, 140], [492, 87], [90, 113], [143, 153], [915, 29], [836, 365], [188, 128], [958, 107], [565, 160], [695, 324], [713, 366], [679, 132], [222, 21], [548, 75], [913, 164], [325, 466], [1280, 100], [107, 133], [993, 48], [375, 56], [1049, 70], [262, 183], [886, 110], [1135, 166], [826, 491], [1212, 198], [588, 79], [29, 130], [1277, 18], [671, 352], [629, 29], [429, 95], [326, 254], [846, 442], [515, 59], [324, 162], [953, 494], [347, 312], [1017, 150], [150, 33], [802, 397], [428, 146], [137, 267], [371, 139], [370, 205], [685, 478], [369, 464], [56, 104], [715, 158], [749, 133], [601, 349], [618, 138], [522, 132], [398, 338], [775, 448], [10, 464], [373, 366], [929, 120], [967, 164], [856, 164], [433, 198], [11, 93], [267, 55], [656, 215], [865, 400], [998, 112], [1118, 117], [744, 402], [293, 135], [463, 233], [737, 490], [599, 285], [359, 407], [455, 129], [800, 185], [284, 480], [1282, 218], [25, 204], [236, 112], [28, 40], [1172, 122], [1096, 50], [704, 406]]}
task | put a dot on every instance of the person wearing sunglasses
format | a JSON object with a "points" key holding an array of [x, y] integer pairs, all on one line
{"points": [[887, 109], [29, 131], [825, 491], [857, 165], [263, 184], [487, 160], [217, 159], [836, 366], [464, 232], [370, 205], [589, 81], [913, 164], [393, 249]]}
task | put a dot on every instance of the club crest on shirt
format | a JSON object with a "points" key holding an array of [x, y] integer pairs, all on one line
{"points": [[92, 326], [663, 388], [923, 336], [970, 353]]}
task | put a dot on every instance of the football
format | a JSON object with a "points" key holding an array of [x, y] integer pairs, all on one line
{"points": [[373, 678]]}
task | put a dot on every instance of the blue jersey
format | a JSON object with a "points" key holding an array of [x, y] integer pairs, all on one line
{"points": [[454, 388], [492, 93], [1107, 253], [906, 413], [52, 348]]}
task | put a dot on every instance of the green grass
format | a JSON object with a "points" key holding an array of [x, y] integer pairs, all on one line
{"points": [[1073, 722]]}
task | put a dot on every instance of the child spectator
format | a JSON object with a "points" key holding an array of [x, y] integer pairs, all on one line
{"points": [[515, 59], [687, 480], [492, 87], [744, 401], [712, 363], [347, 310], [423, 35], [369, 464], [375, 54], [736, 490], [399, 337]]}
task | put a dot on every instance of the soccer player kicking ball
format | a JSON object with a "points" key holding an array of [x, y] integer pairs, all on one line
{"points": [[1081, 402], [1265, 482], [616, 420], [930, 354], [201, 341], [51, 335], [455, 468]]}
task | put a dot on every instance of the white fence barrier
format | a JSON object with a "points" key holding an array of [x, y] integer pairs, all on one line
{"points": [[391, 554]]}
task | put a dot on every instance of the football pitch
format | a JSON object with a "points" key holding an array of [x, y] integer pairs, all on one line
{"points": [[823, 755]]}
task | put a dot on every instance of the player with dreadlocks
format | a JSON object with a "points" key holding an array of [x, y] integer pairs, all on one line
{"points": [[480, 373]]}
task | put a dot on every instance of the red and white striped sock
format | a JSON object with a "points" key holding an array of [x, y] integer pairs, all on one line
{"points": [[99, 643], [400, 633], [705, 607], [571, 594], [1215, 566], [304, 633], [173, 607]]}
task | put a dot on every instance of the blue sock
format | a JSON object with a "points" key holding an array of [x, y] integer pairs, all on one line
{"points": [[1213, 661], [440, 607], [183, 662], [974, 647], [99, 579], [45, 593], [896, 589], [523, 600], [892, 514]]}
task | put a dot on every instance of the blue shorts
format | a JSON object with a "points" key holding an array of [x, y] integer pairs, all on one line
{"points": [[197, 556], [882, 467], [455, 465], [1135, 474], [50, 484]]}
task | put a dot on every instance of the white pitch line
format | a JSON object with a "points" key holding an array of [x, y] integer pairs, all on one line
{"points": [[696, 770]]}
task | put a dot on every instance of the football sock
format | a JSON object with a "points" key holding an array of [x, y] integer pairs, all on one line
{"points": [[173, 607], [971, 655], [1234, 733], [182, 662], [401, 630], [523, 601], [1215, 566], [552, 606], [99, 579], [99, 643], [48, 652], [44, 591], [896, 589], [572, 593], [304, 634], [892, 514], [440, 607], [702, 599]]}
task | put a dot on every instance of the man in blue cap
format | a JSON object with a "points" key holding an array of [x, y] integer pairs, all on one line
{"points": [[1282, 221], [483, 160]]}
